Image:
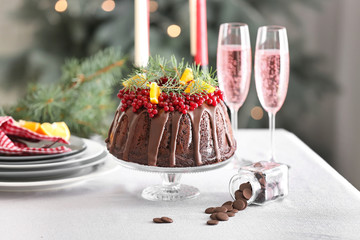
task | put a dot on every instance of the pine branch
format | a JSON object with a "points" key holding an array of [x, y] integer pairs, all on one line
{"points": [[159, 68], [81, 98]]}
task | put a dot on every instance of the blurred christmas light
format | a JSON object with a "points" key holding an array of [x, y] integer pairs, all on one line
{"points": [[108, 5], [153, 6], [257, 113], [173, 31], [61, 6]]}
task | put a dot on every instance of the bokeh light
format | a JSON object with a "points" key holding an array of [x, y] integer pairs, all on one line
{"points": [[153, 6], [257, 113], [108, 5], [61, 6], [173, 31]]}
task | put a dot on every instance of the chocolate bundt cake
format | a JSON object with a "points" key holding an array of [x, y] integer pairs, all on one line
{"points": [[173, 139], [157, 126]]}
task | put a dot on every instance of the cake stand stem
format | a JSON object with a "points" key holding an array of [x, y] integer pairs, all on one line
{"points": [[170, 189], [171, 181]]}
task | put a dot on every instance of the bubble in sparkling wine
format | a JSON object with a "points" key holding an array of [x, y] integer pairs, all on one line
{"points": [[234, 69], [272, 77]]}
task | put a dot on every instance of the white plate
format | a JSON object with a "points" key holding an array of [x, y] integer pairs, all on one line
{"points": [[81, 176], [76, 145], [93, 150], [49, 173], [50, 160]]}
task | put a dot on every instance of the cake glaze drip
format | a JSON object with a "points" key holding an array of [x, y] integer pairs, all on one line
{"points": [[154, 128]]}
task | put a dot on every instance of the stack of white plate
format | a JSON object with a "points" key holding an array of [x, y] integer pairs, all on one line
{"points": [[87, 159]]}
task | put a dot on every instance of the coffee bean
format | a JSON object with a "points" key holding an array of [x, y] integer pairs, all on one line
{"points": [[222, 216], [238, 194], [209, 210], [230, 214], [244, 186], [240, 204], [212, 222], [228, 203], [260, 197], [259, 175], [247, 193], [258, 164], [220, 209], [235, 210], [229, 207], [262, 181], [213, 216], [166, 220], [157, 220]]}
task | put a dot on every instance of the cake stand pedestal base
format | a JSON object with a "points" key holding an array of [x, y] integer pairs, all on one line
{"points": [[170, 189]]}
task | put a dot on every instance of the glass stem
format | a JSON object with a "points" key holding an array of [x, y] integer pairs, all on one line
{"points": [[272, 131], [234, 119]]}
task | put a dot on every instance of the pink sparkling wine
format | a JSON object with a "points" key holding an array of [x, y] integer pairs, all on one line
{"points": [[234, 70], [271, 78]]}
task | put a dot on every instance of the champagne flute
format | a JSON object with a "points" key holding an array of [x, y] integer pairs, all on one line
{"points": [[272, 72], [234, 66]]}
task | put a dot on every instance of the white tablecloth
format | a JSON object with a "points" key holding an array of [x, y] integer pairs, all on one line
{"points": [[321, 204]]}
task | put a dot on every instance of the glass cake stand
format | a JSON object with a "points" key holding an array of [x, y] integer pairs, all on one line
{"points": [[170, 189]]}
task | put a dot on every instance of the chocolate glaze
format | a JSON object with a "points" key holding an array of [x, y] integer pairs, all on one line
{"points": [[137, 138], [156, 131], [175, 128]]}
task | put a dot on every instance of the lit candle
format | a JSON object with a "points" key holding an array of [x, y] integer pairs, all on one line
{"points": [[141, 33], [192, 13], [201, 57]]}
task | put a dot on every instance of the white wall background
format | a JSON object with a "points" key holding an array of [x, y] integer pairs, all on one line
{"points": [[347, 129], [335, 33], [14, 37]]}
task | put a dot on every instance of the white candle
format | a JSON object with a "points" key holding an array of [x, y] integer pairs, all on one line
{"points": [[141, 33], [192, 11]]}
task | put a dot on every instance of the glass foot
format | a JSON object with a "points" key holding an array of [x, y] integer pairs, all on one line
{"points": [[170, 189]]}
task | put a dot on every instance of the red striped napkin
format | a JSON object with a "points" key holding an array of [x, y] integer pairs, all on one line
{"points": [[8, 147]]}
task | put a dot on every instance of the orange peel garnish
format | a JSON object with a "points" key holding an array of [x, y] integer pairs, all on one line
{"points": [[187, 76], [154, 93], [203, 85]]}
